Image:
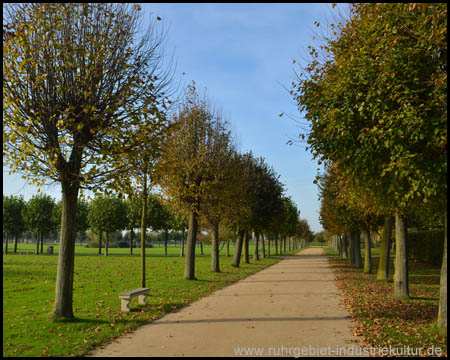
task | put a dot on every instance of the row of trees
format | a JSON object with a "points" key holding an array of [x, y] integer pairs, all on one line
{"points": [[41, 215], [107, 215], [86, 104], [375, 96]]}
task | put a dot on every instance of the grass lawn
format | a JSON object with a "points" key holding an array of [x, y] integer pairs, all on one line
{"points": [[29, 286], [383, 321], [156, 250]]}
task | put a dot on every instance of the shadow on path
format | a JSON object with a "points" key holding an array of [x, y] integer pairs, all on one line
{"points": [[208, 321]]}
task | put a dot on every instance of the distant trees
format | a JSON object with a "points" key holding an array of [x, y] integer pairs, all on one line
{"points": [[133, 218], [81, 222], [303, 232], [13, 218], [107, 214], [38, 217]]}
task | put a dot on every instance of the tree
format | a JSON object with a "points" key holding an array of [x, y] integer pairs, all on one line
{"points": [[13, 221], [38, 217], [81, 222], [303, 232], [75, 83], [378, 108], [185, 170], [336, 213], [141, 160], [218, 198], [107, 214], [291, 214], [238, 214], [164, 220], [180, 224], [265, 192]]}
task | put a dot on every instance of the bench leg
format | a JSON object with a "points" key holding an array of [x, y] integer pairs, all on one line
{"points": [[124, 305], [141, 299]]}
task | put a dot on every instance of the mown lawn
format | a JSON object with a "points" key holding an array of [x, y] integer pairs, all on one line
{"points": [[156, 250], [29, 286], [383, 321]]}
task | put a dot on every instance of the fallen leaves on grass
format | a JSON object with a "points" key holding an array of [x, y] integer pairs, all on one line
{"points": [[383, 321]]}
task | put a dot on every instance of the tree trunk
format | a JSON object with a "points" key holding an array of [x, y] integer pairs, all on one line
{"points": [[182, 244], [352, 249], [383, 265], [276, 244], [16, 240], [442, 313], [358, 257], [238, 248], [189, 270], [256, 250], [268, 247], [62, 308], [246, 248], [100, 234], [367, 251], [107, 243], [401, 258], [37, 244], [6, 243], [263, 247], [284, 245], [143, 227], [42, 243], [344, 246], [166, 240], [131, 241], [215, 249], [228, 247]]}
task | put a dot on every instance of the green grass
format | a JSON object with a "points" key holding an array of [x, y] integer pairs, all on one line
{"points": [[156, 250], [384, 321], [29, 286]]}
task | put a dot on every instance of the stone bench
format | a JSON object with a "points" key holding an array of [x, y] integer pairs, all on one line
{"points": [[126, 297]]}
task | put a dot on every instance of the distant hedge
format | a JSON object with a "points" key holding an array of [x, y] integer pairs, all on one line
{"points": [[426, 246]]}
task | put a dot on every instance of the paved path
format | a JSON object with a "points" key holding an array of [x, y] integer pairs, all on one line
{"points": [[289, 308]]}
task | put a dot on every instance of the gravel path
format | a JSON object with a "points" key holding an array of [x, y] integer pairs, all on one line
{"points": [[291, 308]]}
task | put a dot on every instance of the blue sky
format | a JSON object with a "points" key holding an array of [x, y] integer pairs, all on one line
{"points": [[242, 54]]}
